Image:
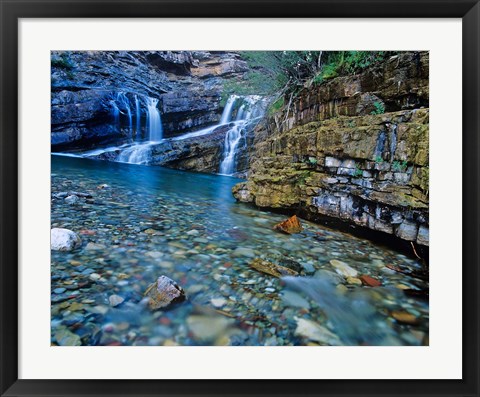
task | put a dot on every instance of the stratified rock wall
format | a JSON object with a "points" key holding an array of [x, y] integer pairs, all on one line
{"points": [[331, 159], [187, 84]]}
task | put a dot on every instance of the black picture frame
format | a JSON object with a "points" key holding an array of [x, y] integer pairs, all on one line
{"points": [[12, 11]]}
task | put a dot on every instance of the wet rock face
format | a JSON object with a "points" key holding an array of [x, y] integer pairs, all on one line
{"points": [[202, 154], [187, 84], [352, 169], [367, 170]]}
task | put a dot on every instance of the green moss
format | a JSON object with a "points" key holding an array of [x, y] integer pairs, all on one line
{"points": [[276, 106]]}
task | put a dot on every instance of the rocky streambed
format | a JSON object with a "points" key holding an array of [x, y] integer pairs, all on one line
{"points": [[134, 224]]}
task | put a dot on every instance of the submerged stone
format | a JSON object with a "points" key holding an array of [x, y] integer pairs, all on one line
{"points": [[370, 281], [163, 293], [315, 332], [343, 269], [64, 337], [205, 327], [272, 268], [72, 200], [290, 226], [115, 300], [405, 317]]}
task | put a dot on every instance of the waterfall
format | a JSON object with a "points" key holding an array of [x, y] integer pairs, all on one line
{"points": [[138, 130], [393, 141], [138, 154], [232, 139], [240, 112], [155, 130], [227, 111], [252, 108]]}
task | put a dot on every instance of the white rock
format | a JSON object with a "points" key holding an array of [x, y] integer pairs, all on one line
{"points": [[72, 200], [115, 300], [343, 269], [94, 246], [95, 276], [208, 327], [64, 240], [315, 332], [243, 251], [218, 302]]}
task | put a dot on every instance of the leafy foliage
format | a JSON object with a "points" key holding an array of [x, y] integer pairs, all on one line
{"points": [[312, 161], [379, 108], [399, 166], [358, 171]]}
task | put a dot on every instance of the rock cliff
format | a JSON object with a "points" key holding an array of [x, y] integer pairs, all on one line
{"points": [[188, 85], [354, 149]]}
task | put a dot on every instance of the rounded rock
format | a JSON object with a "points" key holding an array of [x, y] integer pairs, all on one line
{"points": [[64, 240]]}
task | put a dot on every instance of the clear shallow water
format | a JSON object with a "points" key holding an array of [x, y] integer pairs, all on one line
{"points": [[152, 221]]}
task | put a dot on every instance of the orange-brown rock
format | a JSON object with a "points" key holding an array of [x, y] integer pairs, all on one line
{"points": [[370, 281], [405, 317], [290, 226], [271, 268]]}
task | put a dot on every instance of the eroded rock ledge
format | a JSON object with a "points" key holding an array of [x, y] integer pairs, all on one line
{"points": [[370, 171]]}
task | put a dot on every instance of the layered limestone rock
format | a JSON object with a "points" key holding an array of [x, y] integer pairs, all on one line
{"points": [[399, 83], [370, 171], [332, 156], [188, 85]]}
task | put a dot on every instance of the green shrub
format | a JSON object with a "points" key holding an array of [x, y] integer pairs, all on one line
{"points": [[312, 161], [276, 105], [399, 166], [358, 171], [379, 108]]}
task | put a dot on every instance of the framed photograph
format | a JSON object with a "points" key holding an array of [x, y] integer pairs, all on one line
{"points": [[239, 198]]}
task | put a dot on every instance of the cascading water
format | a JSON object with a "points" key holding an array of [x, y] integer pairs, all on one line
{"points": [[240, 112], [232, 139], [138, 114], [252, 107], [248, 112], [227, 111], [138, 154], [393, 140], [155, 129]]}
